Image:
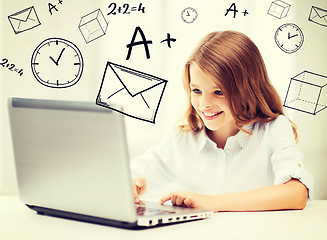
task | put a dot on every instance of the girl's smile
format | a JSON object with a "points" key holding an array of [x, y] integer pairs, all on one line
{"points": [[211, 115]]}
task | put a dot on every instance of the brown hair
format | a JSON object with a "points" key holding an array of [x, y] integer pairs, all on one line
{"points": [[235, 64]]}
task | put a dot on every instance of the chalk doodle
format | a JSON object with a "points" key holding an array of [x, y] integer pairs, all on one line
{"points": [[57, 63], [168, 40], [289, 37], [233, 9], [24, 20], [189, 15], [124, 9], [137, 92], [307, 92], [279, 9], [145, 42], [318, 16], [93, 25], [53, 7], [10, 66]]}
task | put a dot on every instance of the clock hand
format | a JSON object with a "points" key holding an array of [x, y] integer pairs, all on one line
{"points": [[57, 62], [60, 55], [289, 36], [53, 60]]}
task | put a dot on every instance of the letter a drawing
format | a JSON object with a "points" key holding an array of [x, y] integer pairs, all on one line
{"points": [[133, 43], [230, 9]]}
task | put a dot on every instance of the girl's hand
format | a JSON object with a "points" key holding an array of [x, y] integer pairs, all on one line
{"points": [[190, 199], [139, 187]]}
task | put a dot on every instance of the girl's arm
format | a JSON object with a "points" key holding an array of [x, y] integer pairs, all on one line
{"points": [[290, 195]]}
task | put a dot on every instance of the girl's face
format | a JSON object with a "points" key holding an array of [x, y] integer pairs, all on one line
{"points": [[210, 103]]}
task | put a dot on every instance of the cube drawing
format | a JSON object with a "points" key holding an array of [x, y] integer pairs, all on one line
{"points": [[93, 25], [307, 92], [279, 9]]}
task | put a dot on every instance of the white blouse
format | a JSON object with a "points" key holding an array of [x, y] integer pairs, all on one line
{"points": [[269, 156]]}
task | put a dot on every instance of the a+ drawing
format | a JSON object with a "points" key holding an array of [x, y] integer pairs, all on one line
{"points": [[289, 37], [189, 15], [57, 63]]}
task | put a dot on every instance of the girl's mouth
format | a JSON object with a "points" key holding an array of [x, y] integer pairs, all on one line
{"points": [[212, 115]]}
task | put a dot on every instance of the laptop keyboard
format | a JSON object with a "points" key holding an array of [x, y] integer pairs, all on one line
{"points": [[142, 210]]}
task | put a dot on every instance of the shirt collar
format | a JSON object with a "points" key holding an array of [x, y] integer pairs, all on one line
{"points": [[241, 137], [203, 139]]}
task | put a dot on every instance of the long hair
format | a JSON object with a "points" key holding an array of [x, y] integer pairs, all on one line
{"points": [[236, 66]]}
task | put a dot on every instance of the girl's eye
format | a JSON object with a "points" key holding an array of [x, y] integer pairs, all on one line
{"points": [[196, 91], [218, 92]]}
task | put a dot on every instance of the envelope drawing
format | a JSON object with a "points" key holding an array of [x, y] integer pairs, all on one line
{"points": [[318, 16], [24, 20], [139, 94]]}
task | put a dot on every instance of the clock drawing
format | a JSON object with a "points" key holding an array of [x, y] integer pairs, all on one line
{"points": [[57, 63], [289, 37], [189, 15]]}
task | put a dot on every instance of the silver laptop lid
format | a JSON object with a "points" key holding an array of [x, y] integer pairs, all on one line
{"points": [[67, 155]]}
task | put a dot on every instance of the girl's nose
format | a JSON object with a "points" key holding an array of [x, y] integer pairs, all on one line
{"points": [[205, 102]]}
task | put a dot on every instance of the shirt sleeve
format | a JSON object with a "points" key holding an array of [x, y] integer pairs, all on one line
{"points": [[286, 157], [153, 164]]}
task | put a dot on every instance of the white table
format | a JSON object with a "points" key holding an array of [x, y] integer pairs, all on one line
{"points": [[18, 222]]}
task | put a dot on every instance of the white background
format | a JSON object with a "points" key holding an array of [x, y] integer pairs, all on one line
{"points": [[161, 17]]}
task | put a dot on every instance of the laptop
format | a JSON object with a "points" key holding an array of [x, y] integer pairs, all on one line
{"points": [[72, 161]]}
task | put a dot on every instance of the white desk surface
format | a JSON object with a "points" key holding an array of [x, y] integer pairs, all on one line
{"points": [[18, 222]]}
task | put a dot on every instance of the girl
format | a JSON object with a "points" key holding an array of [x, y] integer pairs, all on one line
{"points": [[237, 150]]}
